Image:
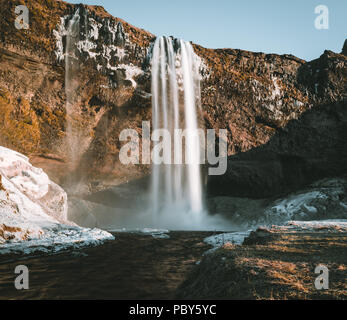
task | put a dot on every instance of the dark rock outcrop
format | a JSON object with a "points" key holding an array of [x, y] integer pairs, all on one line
{"points": [[309, 146]]}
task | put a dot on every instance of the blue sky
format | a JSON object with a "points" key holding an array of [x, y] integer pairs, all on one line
{"points": [[271, 26]]}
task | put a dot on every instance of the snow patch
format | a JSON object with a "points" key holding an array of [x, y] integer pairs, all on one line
{"points": [[33, 211], [95, 26], [331, 225], [276, 92], [57, 239], [296, 204], [92, 44], [155, 233], [87, 46], [59, 34], [131, 72], [323, 200], [219, 240]]}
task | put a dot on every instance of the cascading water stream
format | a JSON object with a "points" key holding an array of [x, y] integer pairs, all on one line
{"points": [[78, 137], [176, 106], [71, 69]]}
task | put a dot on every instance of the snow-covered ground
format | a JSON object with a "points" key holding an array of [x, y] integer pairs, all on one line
{"points": [[33, 211]]}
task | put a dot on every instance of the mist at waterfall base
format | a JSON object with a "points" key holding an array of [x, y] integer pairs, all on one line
{"points": [[175, 200]]}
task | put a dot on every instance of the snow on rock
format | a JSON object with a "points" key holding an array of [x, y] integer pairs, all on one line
{"points": [[325, 199], [322, 200], [321, 207], [58, 238], [33, 210], [59, 35], [276, 92], [155, 233], [331, 225], [88, 47], [131, 72], [106, 43], [30, 187], [219, 240]]}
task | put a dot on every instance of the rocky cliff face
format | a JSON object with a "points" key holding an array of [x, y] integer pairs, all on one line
{"points": [[286, 118], [306, 142], [107, 57]]}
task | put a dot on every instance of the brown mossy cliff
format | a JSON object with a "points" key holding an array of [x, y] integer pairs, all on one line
{"points": [[255, 96]]}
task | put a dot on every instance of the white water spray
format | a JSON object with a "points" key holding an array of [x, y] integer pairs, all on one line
{"points": [[176, 105]]}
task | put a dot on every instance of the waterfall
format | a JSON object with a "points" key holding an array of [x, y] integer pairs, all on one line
{"points": [[176, 105], [71, 69]]}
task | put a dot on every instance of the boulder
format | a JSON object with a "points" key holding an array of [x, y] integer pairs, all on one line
{"points": [[33, 210]]}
